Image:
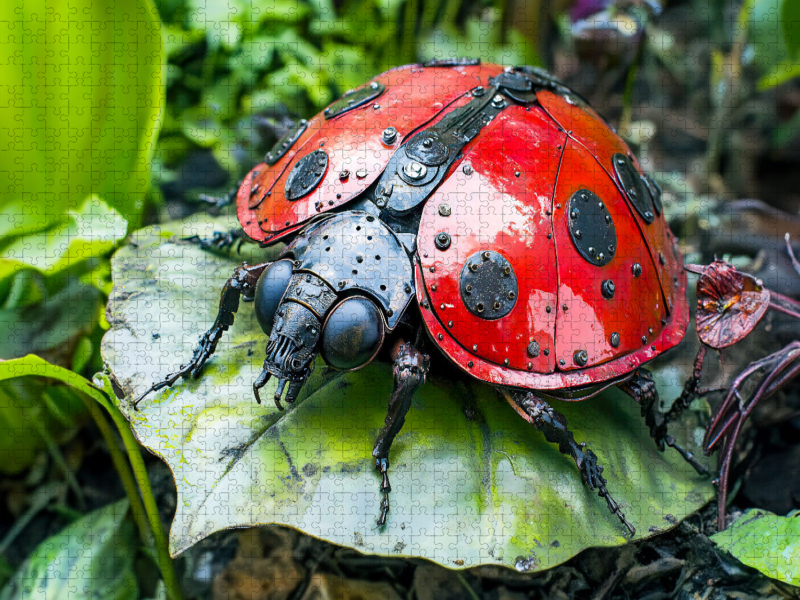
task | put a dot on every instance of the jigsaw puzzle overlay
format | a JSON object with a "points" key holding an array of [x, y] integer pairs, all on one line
{"points": [[444, 316]]}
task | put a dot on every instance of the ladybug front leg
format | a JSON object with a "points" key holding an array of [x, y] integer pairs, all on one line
{"points": [[242, 283], [220, 240], [642, 388], [410, 368], [553, 425]]}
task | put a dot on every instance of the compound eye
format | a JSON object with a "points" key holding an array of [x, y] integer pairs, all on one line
{"points": [[353, 334], [270, 288]]}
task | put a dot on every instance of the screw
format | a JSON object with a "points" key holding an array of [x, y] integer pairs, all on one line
{"points": [[467, 170], [636, 269], [607, 289], [444, 210], [415, 170], [389, 135], [615, 340]]}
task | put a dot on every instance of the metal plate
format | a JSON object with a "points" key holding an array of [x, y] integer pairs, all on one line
{"points": [[634, 187], [306, 175], [592, 228], [356, 251], [288, 140], [655, 192], [428, 149], [489, 287], [354, 99], [453, 62]]}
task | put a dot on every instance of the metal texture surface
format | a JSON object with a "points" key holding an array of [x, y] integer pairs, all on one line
{"points": [[489, 286], [312, 292], [283, 145], [589, 130], [490, 208], [306, 175], [356, 251], [634, 187], [419, 166], [591, 228], [463, 61], [586, 318], [354, 143], [354, 99]]}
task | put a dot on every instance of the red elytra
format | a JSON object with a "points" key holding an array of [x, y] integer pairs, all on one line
{"points": [[508, 192]]}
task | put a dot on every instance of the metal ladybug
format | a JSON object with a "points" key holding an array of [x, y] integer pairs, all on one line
{"points": [[484, 212]]}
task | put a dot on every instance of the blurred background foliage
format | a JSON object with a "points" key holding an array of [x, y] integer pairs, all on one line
{"points": [[116, 114]]}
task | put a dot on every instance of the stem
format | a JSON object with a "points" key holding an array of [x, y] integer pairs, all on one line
{"points": [[137, 462], [123, 469]]}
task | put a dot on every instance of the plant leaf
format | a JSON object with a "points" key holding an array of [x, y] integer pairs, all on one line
{"points": [[91, 558], [80, 106], [765, 541], [471, 481]]}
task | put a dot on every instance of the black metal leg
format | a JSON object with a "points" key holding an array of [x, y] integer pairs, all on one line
{"points": [[242, 283], [642, 388], [554, 427], [410, 369], [220, 240], [219, 202]]}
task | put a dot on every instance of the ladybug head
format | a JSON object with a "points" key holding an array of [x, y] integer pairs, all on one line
{"points": [[303, 316]]}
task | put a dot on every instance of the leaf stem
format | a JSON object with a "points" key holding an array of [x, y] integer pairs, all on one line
{"points": [[151, 509]]}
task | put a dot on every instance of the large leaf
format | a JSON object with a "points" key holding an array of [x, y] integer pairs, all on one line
{"points": [[767, 542], [80, 99], [92, 558], [472, 482]]}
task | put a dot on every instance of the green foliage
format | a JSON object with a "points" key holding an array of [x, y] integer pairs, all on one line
{"points": [[91, 558], [80, 103], [233, 64], [775, 39], [464, 463], [767, 542]]}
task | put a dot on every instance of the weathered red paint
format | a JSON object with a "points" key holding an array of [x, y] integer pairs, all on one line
{"points": [[413, 97], [509, 193]]}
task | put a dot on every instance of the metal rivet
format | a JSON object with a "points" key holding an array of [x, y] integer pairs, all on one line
{"points": [[505, 362], [546, 352], [562, 362], [533, 349], [644, 339], [374, 85], [607, 289], [653, 348], [449, 323], [444, 210], [440, 336], [636, 269], [376, 106], [441, 306], [615, 340], [564, 307], [361, 173], [415, 170], [467, 170], [650, 330], [581, 357], [548, 308], [578, 234], [344, 174], [432, 269], [470, 364], [442, 241], [558, 206], [549, 236], [389, 135], [433, 287], [474, 347], [517, 173], [530, 366]]}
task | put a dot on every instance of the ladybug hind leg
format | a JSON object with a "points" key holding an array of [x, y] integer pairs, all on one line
{"points": [[220, 240], [554, 427], [410, 369], [642, 388], [241, 284]]}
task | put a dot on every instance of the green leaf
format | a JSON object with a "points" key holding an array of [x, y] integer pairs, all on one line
{"points": [[91, 558], [91, 230], [79, 106], [471, 480], [767, 542], [790, 22]]}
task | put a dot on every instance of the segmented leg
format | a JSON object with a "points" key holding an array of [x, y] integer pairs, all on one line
{"points": [[242, 283], [642, 388], [220, 240], [410, 369], [553, 425], [780, 368], [219, 202]]}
